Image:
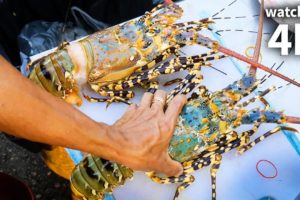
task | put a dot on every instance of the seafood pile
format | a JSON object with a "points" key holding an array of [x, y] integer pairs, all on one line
{"points": [[135, 53]]}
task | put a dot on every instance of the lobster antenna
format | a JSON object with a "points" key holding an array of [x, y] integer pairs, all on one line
{"points": [[234, 17], [257, 49], [254, 64], [293, 120]]}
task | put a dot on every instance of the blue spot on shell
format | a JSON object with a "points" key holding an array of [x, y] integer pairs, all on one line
{"points": [[193, 116], [251, 117], [248, 81], [272, 116]]}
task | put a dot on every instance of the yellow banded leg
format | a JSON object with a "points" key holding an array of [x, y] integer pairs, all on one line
{"points": [[194, 57], [201, 92], [112, 96], [122, 93], [169, 67], [156, 8], [153, 86], [164, 55], [171, 82], [216, 161], [192, 37], [146, 18], [245, 137], [225, 144], [190, 81], [259, 97], [185, 179], [193, 23], [109, 101], [248, 146], [188, 180]]}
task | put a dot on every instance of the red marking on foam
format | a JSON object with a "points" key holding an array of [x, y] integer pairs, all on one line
{"points": [[269, 162]]}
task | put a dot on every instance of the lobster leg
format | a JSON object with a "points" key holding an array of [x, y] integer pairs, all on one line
{"points": [[248, 146], [189, 179], [171, 82], [194, 26], [169, 67], [176, 80], [123, 93], [245, 136], [153, 86], [124, 96], [201, 92], [114, 96], [108, 100], [216, 161], [258, 97], [191, 80], [185, 180], [120, 96], [164, 55], [200, 23], [146, 18]]}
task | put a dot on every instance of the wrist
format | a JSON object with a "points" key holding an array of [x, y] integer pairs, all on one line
{"points": [[102, 142]]}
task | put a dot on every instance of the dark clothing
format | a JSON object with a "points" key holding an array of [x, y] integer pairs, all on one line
{"points": [[14, 14]]}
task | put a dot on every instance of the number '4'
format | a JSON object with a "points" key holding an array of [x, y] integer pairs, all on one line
{"points": [[283, 31]]}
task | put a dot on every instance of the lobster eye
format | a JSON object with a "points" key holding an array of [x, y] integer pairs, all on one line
{"points": [[147, 44], [151, 33]]}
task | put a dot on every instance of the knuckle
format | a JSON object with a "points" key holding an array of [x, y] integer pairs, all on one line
{"points": [[160, 92], [148, 94]]}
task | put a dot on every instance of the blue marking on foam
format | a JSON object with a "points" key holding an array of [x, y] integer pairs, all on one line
{"points": [[292, 138], [75, 155]]}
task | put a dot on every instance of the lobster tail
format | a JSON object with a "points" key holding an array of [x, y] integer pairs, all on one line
{"points": [[95, 176], [53, 73]]}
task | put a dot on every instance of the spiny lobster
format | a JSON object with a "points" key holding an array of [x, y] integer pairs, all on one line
{"points": [[123, 56], [204, 131]]}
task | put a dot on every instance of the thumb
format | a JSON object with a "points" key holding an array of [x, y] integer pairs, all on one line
{"points": [[171, 167]]}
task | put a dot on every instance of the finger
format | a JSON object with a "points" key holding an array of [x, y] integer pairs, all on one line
{"points": [[146, 100], [174, 109], [171, 167], [130, 110], [159, 100]]}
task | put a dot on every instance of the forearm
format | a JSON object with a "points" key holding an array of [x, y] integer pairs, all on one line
{"points": [[138, 140], [29, 112]]}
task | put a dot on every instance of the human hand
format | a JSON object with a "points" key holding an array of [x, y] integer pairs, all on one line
{"points": [[144, 132]]}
